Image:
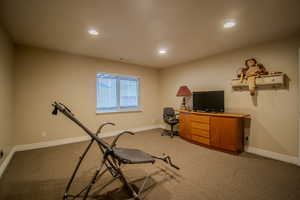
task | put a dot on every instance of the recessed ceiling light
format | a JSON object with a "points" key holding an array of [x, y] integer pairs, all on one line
{"points": [[162, 51], [93, 32], [229, 24]]}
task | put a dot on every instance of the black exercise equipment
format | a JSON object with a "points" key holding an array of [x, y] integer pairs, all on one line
{"points": [[113, 157], [170, 118]]}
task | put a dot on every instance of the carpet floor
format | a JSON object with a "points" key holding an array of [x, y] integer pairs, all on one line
{"points": [[204, 174]]}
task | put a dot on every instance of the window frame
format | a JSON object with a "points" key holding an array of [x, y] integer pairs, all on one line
{"points": [[119, 108]]}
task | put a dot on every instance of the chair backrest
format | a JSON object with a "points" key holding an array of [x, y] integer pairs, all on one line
{"points": [[168, 113]]}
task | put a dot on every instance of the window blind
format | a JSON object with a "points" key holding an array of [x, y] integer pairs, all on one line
{"points": [[117, 93]]}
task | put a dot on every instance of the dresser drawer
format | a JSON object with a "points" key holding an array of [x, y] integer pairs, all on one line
{"points": [[200, 139], [199, 125], [200, 132], [200, 118]]}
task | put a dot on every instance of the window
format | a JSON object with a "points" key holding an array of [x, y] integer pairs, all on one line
{"points": [[117, 93]]}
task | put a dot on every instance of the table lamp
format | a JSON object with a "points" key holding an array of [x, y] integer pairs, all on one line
{"points": [[183, 91]]}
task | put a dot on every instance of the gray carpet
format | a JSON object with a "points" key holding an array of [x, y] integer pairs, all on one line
{"points": [[205, 174]]}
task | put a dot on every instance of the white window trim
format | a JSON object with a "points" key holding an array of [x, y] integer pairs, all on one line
{"points": [[119, 110]]}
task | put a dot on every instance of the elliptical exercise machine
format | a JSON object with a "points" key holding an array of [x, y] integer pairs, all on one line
{"points": [[112, 159]]}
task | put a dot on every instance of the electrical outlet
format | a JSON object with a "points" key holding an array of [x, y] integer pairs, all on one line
{"points": [[1, 154], [246, 140]]}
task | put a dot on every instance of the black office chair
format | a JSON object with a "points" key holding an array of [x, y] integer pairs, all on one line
{"points": [[171, 119]]}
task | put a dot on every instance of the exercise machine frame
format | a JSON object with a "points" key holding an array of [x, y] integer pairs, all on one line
{"points": [[110, 159]]}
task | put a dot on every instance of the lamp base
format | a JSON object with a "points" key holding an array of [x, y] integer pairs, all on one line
{"points": [[183, 106]]}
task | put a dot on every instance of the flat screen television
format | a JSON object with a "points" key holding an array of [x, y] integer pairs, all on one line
{"points": [[208, 101]]}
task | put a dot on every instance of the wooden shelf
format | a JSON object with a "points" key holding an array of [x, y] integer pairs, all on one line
{"points": [[265, 81]]}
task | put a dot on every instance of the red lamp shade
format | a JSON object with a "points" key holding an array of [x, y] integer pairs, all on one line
{"points": [[184, 91]]}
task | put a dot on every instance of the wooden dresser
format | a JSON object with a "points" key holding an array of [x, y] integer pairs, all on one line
{"points": [[222, 131]]}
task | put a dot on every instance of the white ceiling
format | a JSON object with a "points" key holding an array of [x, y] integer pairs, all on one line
{"points": [[136, 29]]}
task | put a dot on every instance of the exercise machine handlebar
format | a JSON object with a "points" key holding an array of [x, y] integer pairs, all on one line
{"points": [[113, 144], [102, 125], [60, 107]]}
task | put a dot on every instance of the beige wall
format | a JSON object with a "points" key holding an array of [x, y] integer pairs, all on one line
{"points": [[44, 76], [6, 92], [274, 125]]}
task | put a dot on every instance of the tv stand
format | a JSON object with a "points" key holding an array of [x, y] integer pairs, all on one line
{"points": [[223, 131], [208, 111]]}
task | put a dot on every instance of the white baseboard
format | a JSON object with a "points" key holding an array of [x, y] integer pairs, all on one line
{"points": [[52, 143], [25, 147], [273, 155], [5, 163], [267, 154], [162, 126], [145, 128]]}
